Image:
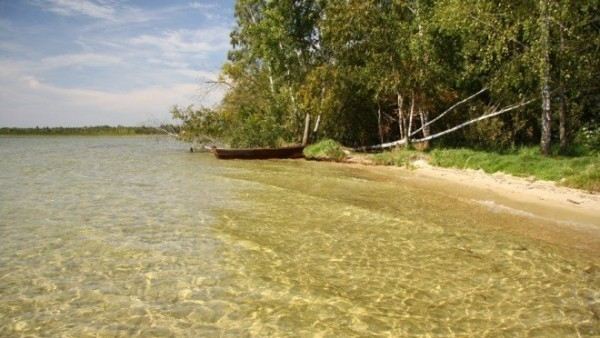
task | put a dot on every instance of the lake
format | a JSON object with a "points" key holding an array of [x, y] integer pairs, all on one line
{"points": [[135, 236]]}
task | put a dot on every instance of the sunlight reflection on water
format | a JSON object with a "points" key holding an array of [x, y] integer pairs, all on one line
{"points": [[133, 236]]}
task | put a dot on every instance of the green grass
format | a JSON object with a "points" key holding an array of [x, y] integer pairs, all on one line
{"points": [[326, 150], [398, 157], [588, 179], [582, 172]]}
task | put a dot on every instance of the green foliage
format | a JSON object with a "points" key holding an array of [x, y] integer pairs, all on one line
{"points": [[199, 125], [355, 65], [256, 130], [589, 138], [242, 128], [325, 150]]}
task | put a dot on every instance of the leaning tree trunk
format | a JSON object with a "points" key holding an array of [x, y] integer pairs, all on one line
{"points": [[316, 129], [545, 77], [306, 129], [447, 111], [410, 120], [424, 114], [379, 127], [317, 124], [400, 116], [488, 115]]}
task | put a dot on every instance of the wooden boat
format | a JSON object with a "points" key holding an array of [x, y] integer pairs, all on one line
{"points": [[259, 153]]}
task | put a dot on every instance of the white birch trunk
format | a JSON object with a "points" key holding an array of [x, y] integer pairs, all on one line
{"points": [[447, 131], [410, 119], [400, 116], [545, 78], [306, 129]]}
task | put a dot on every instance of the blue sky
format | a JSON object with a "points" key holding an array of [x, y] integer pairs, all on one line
{"points": [[91, 62]]}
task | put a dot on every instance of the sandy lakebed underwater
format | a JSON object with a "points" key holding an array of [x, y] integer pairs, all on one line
{"points": [[126, 236]]}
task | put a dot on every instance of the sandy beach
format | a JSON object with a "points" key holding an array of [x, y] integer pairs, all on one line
{"points": [[569, 204], [561, 216]]}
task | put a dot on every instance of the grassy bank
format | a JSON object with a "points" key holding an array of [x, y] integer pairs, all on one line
{"points": [[326, 150], [81, 131], [581, 172]]}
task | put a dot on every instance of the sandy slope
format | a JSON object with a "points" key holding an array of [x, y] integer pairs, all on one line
{"points": [[522, 190]]}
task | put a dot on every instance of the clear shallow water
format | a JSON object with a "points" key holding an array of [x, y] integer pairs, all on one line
{"points": [[134, 236]]}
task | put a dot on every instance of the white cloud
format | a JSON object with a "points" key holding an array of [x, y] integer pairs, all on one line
{"points": [[109, 74], [31, 81], [116, 12], [29, 102], [199, 5], [187, 41], [80, 59], [95, 9], [183, 68], [11, 68], [12, 47], [198, 74], [112, 12], [168, 63], [209, 11]]}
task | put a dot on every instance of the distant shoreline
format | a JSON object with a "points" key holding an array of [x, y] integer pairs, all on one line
{"points": [[88, 131]]}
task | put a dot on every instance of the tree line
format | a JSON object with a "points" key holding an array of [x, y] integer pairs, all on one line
{"points": [[381, 73], [92, 130]]}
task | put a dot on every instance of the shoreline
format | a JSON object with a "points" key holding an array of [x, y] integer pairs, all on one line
{"points": [[523, 190], [562, 216]]}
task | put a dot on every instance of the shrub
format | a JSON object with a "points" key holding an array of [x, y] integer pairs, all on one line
{"points": [[325, 150], [589, 137]]}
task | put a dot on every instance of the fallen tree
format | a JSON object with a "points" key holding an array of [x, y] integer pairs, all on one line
{"points": [[492, 112], [447, 111]]}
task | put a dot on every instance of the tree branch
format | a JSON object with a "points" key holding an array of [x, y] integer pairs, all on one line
{"points": [[220, 82]]}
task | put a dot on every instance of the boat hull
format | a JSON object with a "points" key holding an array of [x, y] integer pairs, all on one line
{"points": [[259, 153]]}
